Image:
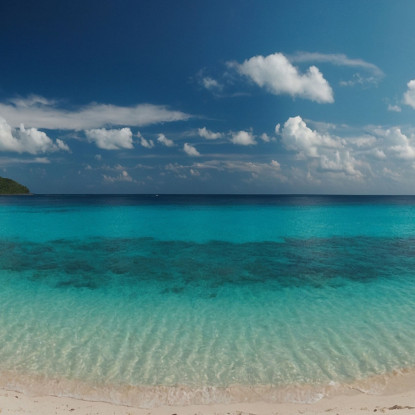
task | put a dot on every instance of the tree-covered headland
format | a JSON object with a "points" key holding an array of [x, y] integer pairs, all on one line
{"points": [[10, 187]]}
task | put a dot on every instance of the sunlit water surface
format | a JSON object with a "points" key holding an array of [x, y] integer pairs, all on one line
{"points": [[174, 299]]}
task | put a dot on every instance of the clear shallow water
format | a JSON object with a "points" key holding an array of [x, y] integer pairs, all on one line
{"points": [[205, 293]]}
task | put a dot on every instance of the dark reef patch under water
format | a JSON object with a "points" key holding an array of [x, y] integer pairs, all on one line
{"points": [[180, 266]]}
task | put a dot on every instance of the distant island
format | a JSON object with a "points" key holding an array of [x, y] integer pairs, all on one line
{"points": [[10, 187]]}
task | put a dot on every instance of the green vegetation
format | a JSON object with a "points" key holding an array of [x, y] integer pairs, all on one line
{"points": [[10, 187]]}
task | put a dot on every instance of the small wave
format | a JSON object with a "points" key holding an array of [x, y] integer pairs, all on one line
{"points": [[388, 383], [155, 396]]}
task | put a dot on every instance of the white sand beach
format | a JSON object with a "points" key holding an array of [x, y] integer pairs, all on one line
{"points": [[358, 403], [398, 397]]}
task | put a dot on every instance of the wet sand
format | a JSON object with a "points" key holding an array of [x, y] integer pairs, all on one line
{"points": [[354, 402]]}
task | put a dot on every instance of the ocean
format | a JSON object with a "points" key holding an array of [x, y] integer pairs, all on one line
{"points": [[149, 300]]}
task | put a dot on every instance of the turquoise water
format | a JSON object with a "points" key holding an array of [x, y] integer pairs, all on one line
{"points": [[202, 299]]}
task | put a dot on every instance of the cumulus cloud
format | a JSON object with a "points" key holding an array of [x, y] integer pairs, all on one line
{"points": [[27, 140], [395, 143], [190, 150], [377, 153], [276, 74], [162, 139], [111, 139], [145, 143], [243, 138], [209, 135], [277, 128], [409, 96], [297, 136], [40, 112], [62, 146], [323, 152]]}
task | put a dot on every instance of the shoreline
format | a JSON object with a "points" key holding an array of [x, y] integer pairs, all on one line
{"points": [[396, 395], [12, 402]]}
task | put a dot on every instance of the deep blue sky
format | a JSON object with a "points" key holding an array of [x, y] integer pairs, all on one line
{"points": [[208, 96]]}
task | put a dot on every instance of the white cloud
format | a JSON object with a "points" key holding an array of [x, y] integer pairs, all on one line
{"points": [[190, 150], [119, 167], [335, 59], [32, 100], [7, 161], [174, 167], [209, 135], [279, 76], [165, 141], [275, 164], [371, 157], [243, 138], [39, 160], [143, 166], [358, 79], [277, 129], [177, 169], [409, 96], [7, 141], [146, 143], [261, 172], [391, 174], [297, 136], [111, 139], [394, 108], [396, 144], [339, 161], [122, 177], [62, 146], [255, 170], [40, 112], [323, 152], [342, 60], [265, 137], [211, 84], [34, 141], [28, 140], [377, 153], [372, 74]]}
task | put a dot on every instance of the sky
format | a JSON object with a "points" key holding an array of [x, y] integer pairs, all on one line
{"points": [[192, 96]]}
